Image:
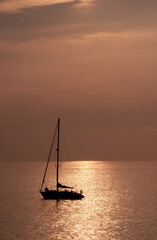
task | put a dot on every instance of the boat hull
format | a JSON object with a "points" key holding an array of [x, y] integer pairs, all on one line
{"points": [[53, 194]]}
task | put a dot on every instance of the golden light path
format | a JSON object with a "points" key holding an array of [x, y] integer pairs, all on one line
{"points": [[85, 217]]}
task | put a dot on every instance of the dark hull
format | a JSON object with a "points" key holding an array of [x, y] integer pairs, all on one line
{"points": [[61, 195]]}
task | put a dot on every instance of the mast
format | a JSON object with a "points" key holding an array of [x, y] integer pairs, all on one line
{"points": [[58, 150]]}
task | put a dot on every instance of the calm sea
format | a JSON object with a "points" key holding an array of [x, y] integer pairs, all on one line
{"points": [[120, 202]]}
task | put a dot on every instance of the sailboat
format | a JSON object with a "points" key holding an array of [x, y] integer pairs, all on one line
{"points": [[66, 192]]}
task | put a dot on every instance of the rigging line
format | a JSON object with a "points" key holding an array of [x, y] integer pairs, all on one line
{"points": [[49, 156]]}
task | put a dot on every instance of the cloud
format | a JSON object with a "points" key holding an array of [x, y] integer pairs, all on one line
{"points": [[67, 19], [15, 6]]}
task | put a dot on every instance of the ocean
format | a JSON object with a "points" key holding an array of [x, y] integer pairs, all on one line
{"points": [[120, 201]]}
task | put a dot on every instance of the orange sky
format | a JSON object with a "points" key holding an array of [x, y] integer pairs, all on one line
{"points": [[93, 63]]}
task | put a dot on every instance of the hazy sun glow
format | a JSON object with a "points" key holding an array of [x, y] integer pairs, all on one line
{"points": [[85, 3]]}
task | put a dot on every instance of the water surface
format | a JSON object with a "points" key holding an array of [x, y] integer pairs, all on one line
{"points": [[119, 204]]}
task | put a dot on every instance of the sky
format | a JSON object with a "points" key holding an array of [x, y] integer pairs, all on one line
{"points": [[90, 62]]}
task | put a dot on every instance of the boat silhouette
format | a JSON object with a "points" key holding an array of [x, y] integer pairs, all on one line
{"points": [[62, 191]]}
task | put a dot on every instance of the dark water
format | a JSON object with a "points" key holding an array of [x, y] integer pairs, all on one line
{"points": [[120, 202]]}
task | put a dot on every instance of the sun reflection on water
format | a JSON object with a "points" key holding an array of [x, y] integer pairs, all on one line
{"points": [[85, 217]]}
